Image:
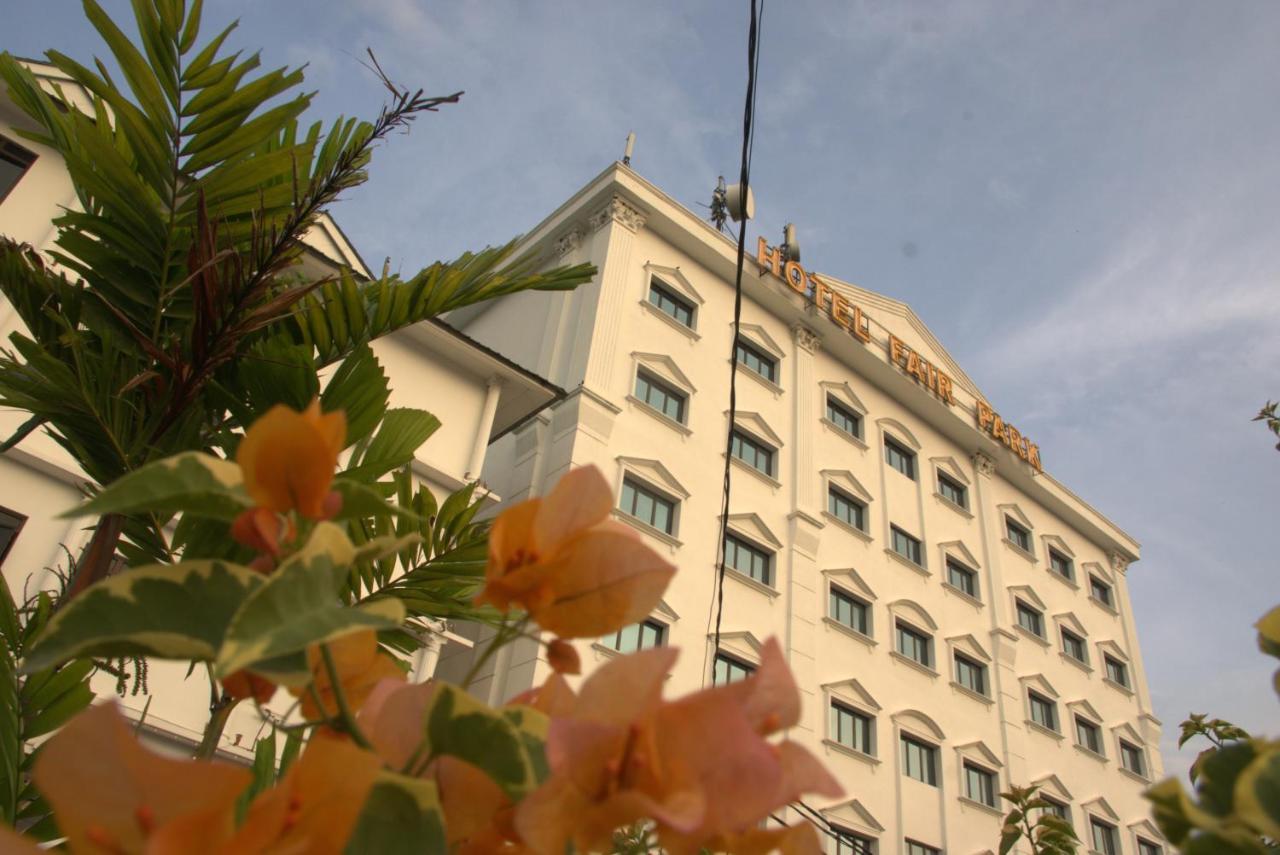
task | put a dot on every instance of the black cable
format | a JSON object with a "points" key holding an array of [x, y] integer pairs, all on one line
{"points": [[748, 133]]}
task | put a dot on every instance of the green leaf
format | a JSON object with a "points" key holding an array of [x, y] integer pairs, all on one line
{"points": [[173, 611], [402, 432], [298, 605], [461, 726], [402, 816], [363, 500], [1009, 837], [1268, 627], [192, 482], [1219, 773], [1257, 792], [360, 389]]}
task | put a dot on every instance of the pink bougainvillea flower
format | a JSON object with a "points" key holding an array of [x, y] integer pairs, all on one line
{"points": [[577, 573], [699, 767], [288, 457], [112, 795], [360, 664], [563, 657]]}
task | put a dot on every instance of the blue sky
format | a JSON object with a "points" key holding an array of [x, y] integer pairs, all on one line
{"points": [[1081, 200]]}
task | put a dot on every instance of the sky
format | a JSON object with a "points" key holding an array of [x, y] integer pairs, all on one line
{"points": [[1080, 199]]}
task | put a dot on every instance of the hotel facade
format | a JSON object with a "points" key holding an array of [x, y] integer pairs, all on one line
{"points": [[958, 621]]}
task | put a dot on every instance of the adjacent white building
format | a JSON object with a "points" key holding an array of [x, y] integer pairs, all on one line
{"points": [[478, 394], [957, 619]]}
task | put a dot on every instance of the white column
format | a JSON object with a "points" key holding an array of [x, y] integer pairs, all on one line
{"points": [[428, 655], [620, 222], [804, 577], [492, 391]]}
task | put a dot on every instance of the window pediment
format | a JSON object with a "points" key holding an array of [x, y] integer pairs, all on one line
{"points": [[655, 473], [676, 280], [850, 578], [1101, 807], [914, 720], [1084, 708], [958, 550], [754, 423], [844, 393], [1016, 513], [665, 611], [1145, 829], [665, 368], [1058, 544], [756, 335], [853, 815], [980, 753], [1113, 650], [970, 645], [847, 481], [1053, 785], [1071, 622], [1039, 683], [1027, 595], [898, 431], [1096, 569], [1127, 732], [743, 645], [914, 613], [751, 526], [950, 466], [852, 692]]}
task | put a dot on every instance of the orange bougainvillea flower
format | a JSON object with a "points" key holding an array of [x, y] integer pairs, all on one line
{"points": [[699, 767], [288, 459], [360, 664], [577, 573], [261, 530], [563, 657], [246, 684], [112, 795]]}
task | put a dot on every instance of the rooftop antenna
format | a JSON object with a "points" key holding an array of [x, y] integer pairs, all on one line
{"points": [[719, 206], [631, 145], [790, 244]]}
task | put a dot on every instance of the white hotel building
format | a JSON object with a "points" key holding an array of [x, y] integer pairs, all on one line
{"points": [[958, 621]]}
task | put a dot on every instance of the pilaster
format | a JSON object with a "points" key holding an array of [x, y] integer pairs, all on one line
{"points": [[617, 223]]}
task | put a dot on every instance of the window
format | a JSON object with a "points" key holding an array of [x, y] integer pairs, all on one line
{"points": [[1146, 847], [638, 636], [1018, 534], [14, 163], [1088, 735], [1055, 807], [844, 418], [1105, 839], [1132, 758], [660, 396], [755, 454], [848, 843], [1073, 646], [849, 610], [914, 645], [914, 848], [979, 784], [663, 297], [648, 506], [10, 524], [753, 359], [1061, 565], [747, 559], [905, 545], [851, 729], [846, 509], [953, 491], [1044, 712], [1100, 591], [897, 456], [962, 578], [730, 670], [1030, 619], [1117, 672], [920, 761], [971, 674]]}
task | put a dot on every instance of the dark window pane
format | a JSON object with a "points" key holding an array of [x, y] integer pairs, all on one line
{"points": [[844, 418], [897, 456], [748, 559]]}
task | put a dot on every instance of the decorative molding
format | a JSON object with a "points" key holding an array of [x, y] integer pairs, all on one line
{"points": [[1119, 563], [985, 465], [620, 211], [568, 242], [806, 338]]}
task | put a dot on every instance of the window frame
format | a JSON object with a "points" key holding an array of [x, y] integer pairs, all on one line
{"points": [[1036, 700], [989, 783], [1056, 557], [894, 533], [959, 658], [915, 847], [654, 382], [647, 623], [732, 664], [907, 457], [855, 844], [666, 290], [643, 488], [1022, 607], [21, 157], [1022, 540], [836, 708], [858, 605], [925, 749], [742, 439], [755, 550], [1112, 836], [1076, 639], [919, 637], [1121, 667], [744, 349], [970, 589], [1129, 750], [954, 485], [835, 496], [1148, 847], [846, 413], [1084, 725], [1058, 807], [19, 521], [1095, 584]]}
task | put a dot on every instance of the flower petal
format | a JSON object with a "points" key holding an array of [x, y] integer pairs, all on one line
{"points": [[287, 459], [579, 500]]}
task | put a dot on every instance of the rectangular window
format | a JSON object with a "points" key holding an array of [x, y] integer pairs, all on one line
{"points": [[1105, 839], [1062, 565], [919, 761], [1088, 735], [753, 359], [979, 784], [900, 458], [962, 578], [848, 843], [1146, 847], [10, 524], [953, 491], [648, 506], [663, 297], [755, 454], [14, 163], [748, 560], [1073, 645], [1131, 757], [846, 509], [1030, 619], [660, 396], [638, 636], [844, 418], [851, 729], [906, 545], [730, 670], [1018, 534], [1044, 712], [1100, 591], [914, 644], [971, 674], [914, 848], [1055, 807], [1116, 671], [849, 611]]}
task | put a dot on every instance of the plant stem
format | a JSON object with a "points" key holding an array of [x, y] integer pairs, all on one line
{"points": [[220, 712], [344, 710], [506, 632]]}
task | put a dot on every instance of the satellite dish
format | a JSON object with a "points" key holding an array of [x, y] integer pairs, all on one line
{"points": [[739, 208], [790, 243]]}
